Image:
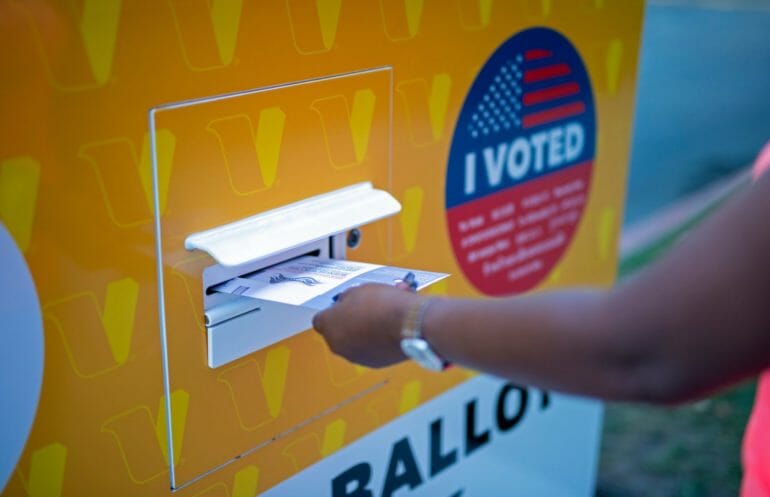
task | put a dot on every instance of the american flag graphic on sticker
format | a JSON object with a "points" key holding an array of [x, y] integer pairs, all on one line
{"points": [[520, 162]]}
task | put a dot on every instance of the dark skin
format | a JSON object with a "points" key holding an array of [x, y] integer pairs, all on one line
{"points": [[693, 322]]}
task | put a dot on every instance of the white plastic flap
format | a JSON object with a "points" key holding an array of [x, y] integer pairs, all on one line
{"points": [[293, 225]]}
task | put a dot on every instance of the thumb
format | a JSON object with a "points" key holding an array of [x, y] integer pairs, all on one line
{"points": [[318, 322]]}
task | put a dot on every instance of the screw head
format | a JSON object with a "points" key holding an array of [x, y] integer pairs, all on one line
{"points": [[354, 238]]}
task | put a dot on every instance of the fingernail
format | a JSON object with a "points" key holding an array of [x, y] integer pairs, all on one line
{"points": [[411, 281]]}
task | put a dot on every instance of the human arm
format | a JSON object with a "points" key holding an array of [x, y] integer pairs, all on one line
{"points": [[692, 322]]}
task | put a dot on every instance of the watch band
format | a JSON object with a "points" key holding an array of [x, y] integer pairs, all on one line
{"points": [[413, 342], [412, 326]]}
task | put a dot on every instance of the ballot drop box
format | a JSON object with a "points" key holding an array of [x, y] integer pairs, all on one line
{"points": [[155, 154]]}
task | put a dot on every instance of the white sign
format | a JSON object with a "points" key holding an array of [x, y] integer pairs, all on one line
{"points": [[484, 438]]}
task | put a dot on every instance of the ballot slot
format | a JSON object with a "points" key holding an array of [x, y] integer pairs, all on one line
{"points": [[318, 282], [220, 307], [236, 325]]}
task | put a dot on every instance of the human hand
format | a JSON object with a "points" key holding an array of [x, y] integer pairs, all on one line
{"points": [[364, 326]]}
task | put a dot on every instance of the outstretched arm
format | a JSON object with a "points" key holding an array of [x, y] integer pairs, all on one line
{"points": [[697, 319]]}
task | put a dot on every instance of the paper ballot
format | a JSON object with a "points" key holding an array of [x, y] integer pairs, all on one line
{"points": [[314, 281]]}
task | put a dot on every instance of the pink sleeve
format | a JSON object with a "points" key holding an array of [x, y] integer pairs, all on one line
{"points": [[756, 441], [762, 163]]}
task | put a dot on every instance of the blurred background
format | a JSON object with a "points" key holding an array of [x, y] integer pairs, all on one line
{"points": [[703, 107], [702, 114]]}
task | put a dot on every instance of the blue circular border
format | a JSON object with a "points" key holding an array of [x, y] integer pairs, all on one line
{"points": [[510, 52]]}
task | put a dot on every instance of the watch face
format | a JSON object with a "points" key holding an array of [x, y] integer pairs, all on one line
{"points": [[419, 350]]}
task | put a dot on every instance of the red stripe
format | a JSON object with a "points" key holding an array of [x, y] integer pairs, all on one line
{"points": [[547, 72], [537, 54], [552, 93], [550, 115]]}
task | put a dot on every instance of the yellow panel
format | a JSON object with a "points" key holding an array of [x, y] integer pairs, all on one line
{"points": [[79, 80]]}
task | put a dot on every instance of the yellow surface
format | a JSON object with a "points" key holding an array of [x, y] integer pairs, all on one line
{"points": [[79, 79]]}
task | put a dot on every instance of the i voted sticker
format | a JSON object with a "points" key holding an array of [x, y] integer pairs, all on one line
{"points": [[520, 162]]}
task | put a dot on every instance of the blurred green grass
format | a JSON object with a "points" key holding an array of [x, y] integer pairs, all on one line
{"points": [[687, 451]]}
